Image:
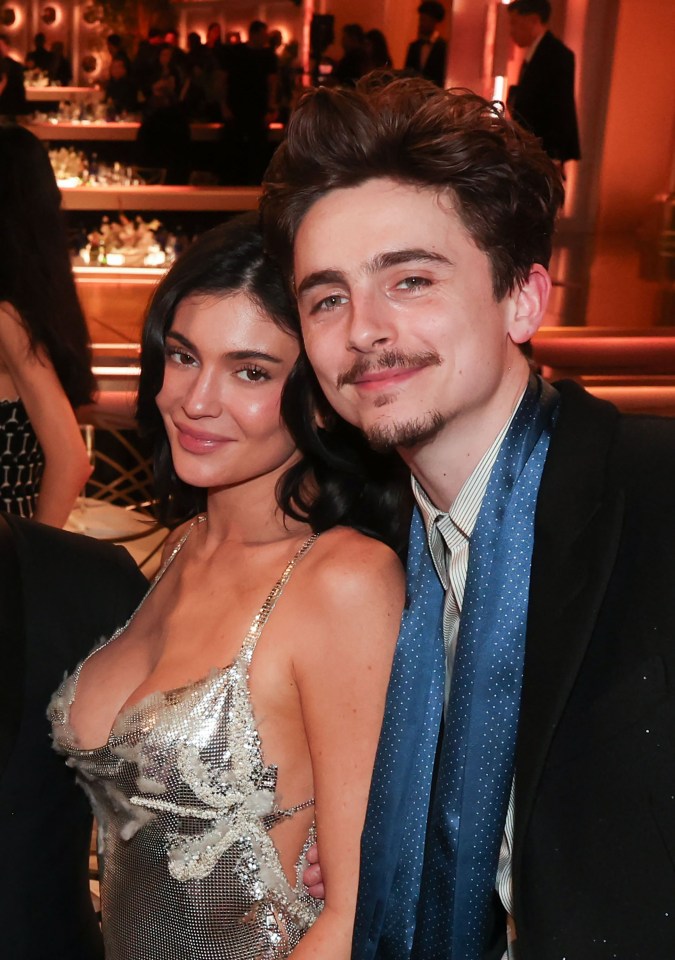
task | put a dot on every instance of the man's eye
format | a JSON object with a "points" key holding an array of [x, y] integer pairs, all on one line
{"points": [[413, 283], [252, 374], [332, 302]]}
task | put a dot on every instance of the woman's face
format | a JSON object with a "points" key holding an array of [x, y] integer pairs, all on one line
{"points": [[226, 362]]}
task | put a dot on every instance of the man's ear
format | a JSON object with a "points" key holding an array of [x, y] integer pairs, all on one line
{"points": [[530, 305]]}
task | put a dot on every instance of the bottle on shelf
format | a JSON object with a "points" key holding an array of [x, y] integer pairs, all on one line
{"points": [[93, 168]]}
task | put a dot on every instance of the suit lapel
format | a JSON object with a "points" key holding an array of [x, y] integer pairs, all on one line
{"points": [[12, 643], [576, 537]]}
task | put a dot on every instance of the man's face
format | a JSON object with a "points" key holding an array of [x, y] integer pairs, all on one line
{"points": [[426, 25], [398, 314], [524, 28], [118, 69]]}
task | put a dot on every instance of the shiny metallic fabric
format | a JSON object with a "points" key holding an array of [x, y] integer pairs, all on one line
{"points": [[185, 804]]}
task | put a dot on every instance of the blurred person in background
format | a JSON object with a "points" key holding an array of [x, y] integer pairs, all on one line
{"points": [[144, 65], [45, 363], [428, 54], [13, 101], [163, 138], [167, 69], [377, 50], [40, 58], [115, 48], [251, 96], [543, 99], [353, 63], [179, 55], [60, 70], [120, 89], [214, 42], [290, 74]]}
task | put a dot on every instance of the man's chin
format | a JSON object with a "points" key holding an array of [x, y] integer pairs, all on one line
{"points": [[385, 437]]}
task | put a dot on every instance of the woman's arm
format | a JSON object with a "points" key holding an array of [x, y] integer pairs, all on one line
{"points": [[350, 625], [66, 462]]}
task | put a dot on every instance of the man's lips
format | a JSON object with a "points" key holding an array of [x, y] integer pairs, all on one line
{"points": [[377, 380], [198, 441]]}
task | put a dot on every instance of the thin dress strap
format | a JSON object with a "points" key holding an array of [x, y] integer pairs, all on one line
{"points": [[263, 615], [178, 546]]}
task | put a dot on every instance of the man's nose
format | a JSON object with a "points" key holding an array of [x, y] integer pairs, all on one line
{"points": [[371, 324]]}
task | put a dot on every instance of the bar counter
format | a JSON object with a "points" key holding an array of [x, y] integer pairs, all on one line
{"points": [[105, 198], [56, 94], [114, 130]]}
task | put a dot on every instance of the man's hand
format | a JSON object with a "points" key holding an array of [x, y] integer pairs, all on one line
{"points": [[312, 876]]}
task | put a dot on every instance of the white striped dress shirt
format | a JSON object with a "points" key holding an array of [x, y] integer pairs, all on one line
{"points": [[449, 535]]}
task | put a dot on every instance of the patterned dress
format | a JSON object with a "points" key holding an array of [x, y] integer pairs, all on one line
{"points": [[21, 460], [185, 804]]}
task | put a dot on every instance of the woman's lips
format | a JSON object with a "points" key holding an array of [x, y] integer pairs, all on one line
{"points": [[196, 441]]}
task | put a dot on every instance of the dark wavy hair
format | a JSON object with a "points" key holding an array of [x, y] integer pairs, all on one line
{"points": [[507, 191], [35, 273], [338, 479], [542, 8]]}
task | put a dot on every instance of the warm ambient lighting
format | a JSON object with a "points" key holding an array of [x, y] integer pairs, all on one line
{"points": [[11, 18], [500, 85], [51, 15], [499, 89], [108, 274], [129, 372]]}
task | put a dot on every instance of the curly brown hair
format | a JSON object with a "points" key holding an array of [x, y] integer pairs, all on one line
{"points": [[506, 190]]}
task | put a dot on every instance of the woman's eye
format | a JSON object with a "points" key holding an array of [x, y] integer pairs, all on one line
{"points": [[180, 357], [252, 374]]}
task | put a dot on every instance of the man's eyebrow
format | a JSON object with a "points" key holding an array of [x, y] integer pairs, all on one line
{"points": [[382, 261], [395, 258], [231, 354], [318, 278]]}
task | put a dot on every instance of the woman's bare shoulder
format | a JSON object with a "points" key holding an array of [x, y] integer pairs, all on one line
{"points": [[9, 310], [11, 325], [174, 537], [352, 598], [349, 565]]}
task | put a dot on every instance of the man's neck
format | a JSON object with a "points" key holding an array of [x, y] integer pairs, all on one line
{"points": [[535, 43], [443, 464]]}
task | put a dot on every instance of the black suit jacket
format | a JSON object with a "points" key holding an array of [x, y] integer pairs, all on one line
{"points": [[59, 593], [543, 99], [434, 67], [594, 846]]}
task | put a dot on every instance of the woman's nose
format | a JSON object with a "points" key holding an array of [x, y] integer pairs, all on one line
{"points": [[203, 396]]}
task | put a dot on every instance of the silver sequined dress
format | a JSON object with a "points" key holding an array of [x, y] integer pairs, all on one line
{"points": [[185, 804]]}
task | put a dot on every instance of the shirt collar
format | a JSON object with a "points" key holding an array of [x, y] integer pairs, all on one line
{"points": [[529, 53], [465, 508]]}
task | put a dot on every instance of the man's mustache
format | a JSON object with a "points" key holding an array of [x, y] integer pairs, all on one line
{"points": [[388, 359]]}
